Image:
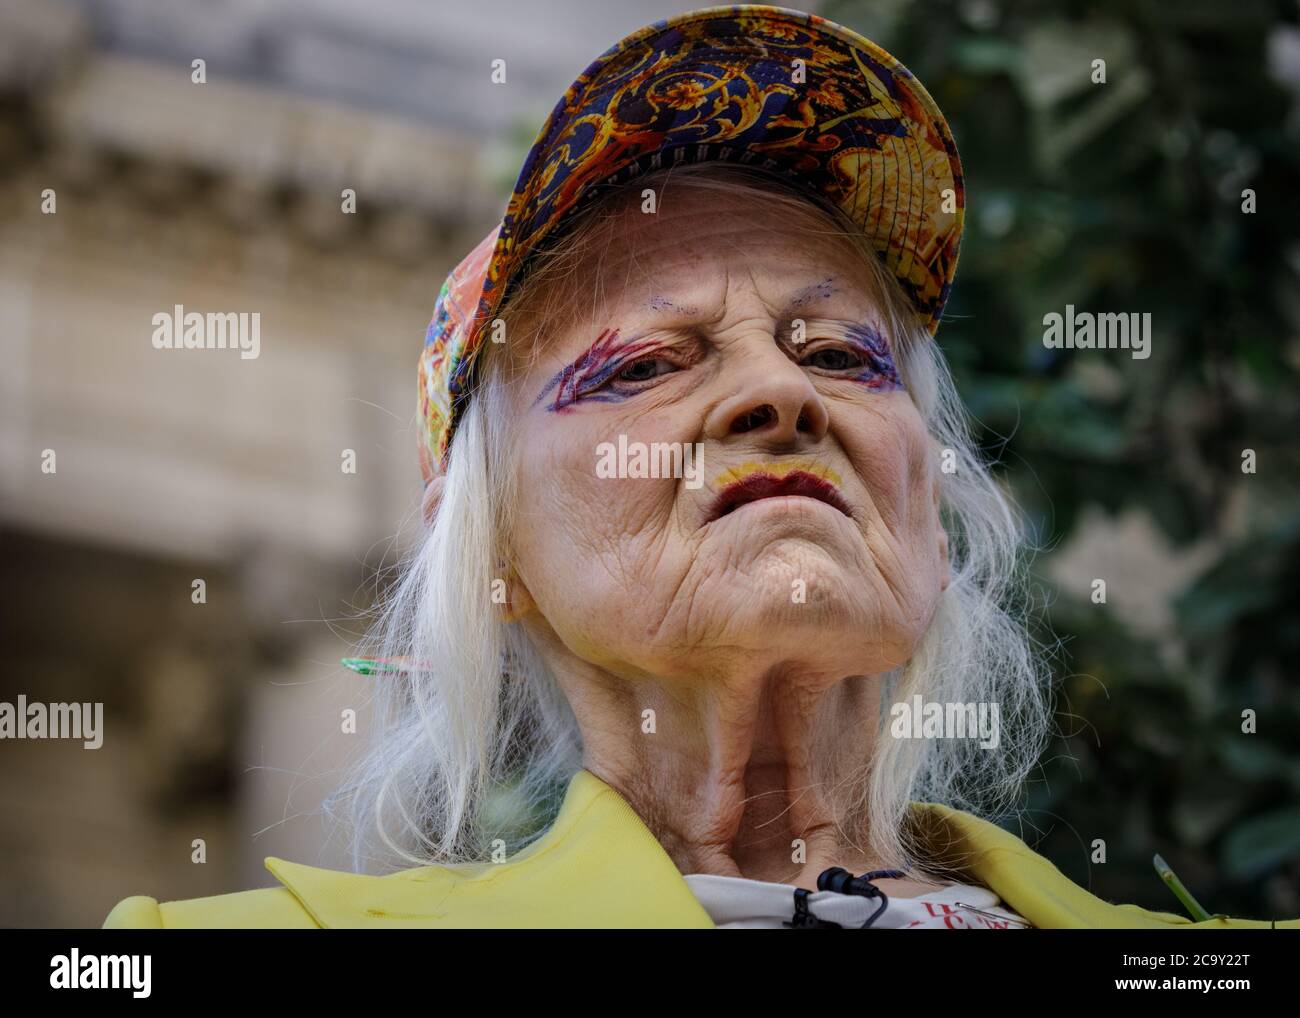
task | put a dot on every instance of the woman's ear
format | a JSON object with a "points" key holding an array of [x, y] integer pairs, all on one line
{"points": [[519, 602], [510, 594], [432, 498]]}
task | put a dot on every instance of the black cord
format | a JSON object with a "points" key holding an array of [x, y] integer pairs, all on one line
{"points": [[803, 918], [842, 882]]}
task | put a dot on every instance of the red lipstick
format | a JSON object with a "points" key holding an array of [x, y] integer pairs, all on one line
{"points": [[763, 485]]}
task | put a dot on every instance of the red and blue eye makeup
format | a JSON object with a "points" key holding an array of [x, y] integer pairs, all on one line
{"points": [[590, 376], [595, 375], [877, 371]]}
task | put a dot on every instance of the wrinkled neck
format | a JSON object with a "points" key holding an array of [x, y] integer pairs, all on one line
{"points": [[746, 775]]}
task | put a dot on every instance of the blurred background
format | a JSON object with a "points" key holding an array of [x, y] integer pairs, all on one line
{"points": [[222, 718]]}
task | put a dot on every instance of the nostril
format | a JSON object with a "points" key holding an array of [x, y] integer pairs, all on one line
{"points": [[803, 423], [752, 419]]}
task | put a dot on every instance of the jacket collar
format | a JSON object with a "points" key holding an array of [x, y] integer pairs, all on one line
{"points": [[598, 865]]}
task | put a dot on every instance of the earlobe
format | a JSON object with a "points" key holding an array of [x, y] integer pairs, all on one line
{"points": [[519, 602]]}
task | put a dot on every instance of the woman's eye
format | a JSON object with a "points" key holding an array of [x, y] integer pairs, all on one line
{"points": [[834, 359], [644, 369]]}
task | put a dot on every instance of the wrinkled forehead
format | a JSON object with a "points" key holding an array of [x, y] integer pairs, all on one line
{"points": [[699, 256]]}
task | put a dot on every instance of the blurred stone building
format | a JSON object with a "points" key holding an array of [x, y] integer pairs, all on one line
{"points": [[125, 189]]}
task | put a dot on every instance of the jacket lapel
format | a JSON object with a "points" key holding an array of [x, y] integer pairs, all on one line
{"points": [[599, 865], [1033, 887]]}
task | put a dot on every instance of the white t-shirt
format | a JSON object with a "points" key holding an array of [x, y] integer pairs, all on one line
{"points": [[737, 903]]}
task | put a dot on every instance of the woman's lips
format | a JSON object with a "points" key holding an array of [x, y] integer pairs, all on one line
{"points": [[763, 485]]}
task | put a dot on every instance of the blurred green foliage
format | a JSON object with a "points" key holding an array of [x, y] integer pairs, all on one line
{"points": [[1127, 196]]}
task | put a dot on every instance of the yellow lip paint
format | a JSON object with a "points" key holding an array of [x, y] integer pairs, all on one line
{"points": [[777, 469]]}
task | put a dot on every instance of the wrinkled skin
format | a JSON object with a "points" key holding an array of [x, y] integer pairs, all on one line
{"points": [[639, 601]]}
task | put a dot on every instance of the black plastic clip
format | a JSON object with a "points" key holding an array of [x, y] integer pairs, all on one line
{"points": [[842, 881], [803, 918]]}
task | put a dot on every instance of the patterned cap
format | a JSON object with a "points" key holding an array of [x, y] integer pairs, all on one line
{"points": [[780, 90]]}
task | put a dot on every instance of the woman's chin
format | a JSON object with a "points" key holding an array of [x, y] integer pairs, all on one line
{"points": [[826, 616]]}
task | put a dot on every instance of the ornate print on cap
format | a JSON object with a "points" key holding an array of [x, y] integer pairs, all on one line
{"points": [[778, 90]]}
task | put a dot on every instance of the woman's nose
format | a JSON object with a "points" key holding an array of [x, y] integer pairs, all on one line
{"points": [[773, 398]]}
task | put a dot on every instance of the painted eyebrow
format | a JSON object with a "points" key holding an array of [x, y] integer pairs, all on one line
{"points": [[806, 294], [661, 303], [595, 364]]}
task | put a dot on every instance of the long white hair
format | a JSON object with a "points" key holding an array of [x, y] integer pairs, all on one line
{"points": [[479, 744]]}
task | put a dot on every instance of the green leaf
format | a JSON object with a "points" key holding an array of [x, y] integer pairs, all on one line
{"points": [[1250, 757], [1262, 844]]}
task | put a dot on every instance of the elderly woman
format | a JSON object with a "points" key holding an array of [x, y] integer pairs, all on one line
{"points": [[712, 623]]}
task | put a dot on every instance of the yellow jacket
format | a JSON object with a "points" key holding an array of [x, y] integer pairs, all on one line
{"points": [[599, 866]]}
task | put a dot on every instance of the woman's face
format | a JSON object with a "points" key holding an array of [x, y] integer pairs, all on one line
{"points": [[804, 533]]}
